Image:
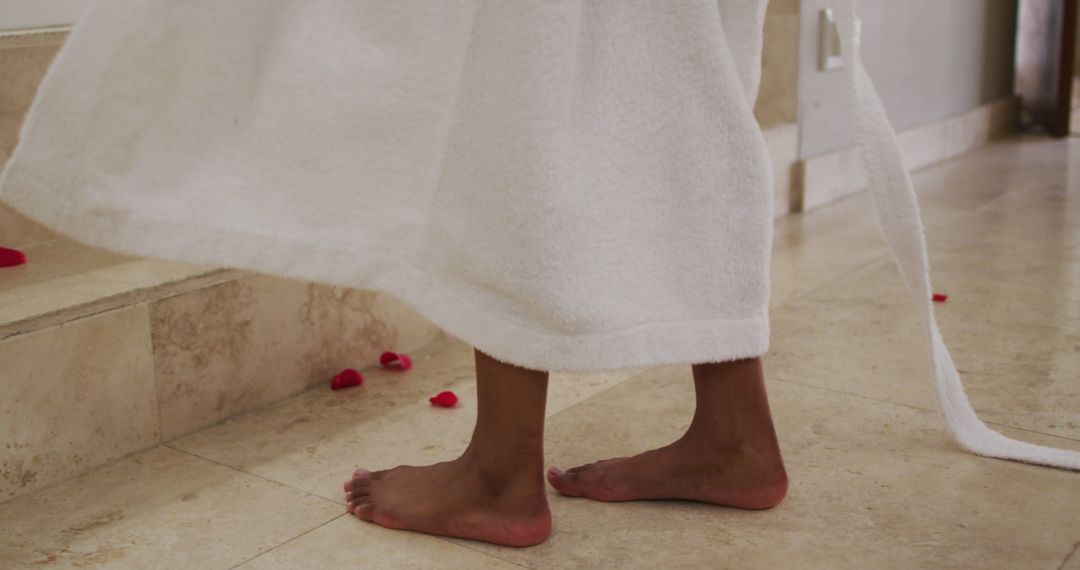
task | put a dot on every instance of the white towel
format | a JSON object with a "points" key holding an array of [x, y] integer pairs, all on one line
{"points": [[567, 185]]}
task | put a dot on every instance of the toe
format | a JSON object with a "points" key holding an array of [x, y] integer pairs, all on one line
{"points": [[361, 490], [568, 483], [354, 504], [591, 466], [359, 486], [580, 468], [358, 491], [360, 480], [365, 511]]}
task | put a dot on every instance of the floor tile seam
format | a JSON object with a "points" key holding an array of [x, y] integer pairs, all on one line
{"points": [[1069, 556], [461, 543], [283, 543], [921, 408], [256, 475], [160, 436], [86, 473], [859, 268]]}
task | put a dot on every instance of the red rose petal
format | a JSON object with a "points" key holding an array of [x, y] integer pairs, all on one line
{"points": [[11, 257], [395, 360], [347, 378], [444, 400], [940, 298]]}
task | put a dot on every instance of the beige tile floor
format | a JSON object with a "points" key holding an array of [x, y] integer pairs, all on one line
{"points": [[876, 482]]}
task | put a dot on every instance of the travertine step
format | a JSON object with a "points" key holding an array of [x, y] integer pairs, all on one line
{"points": [[64, 281], [103, 355]]}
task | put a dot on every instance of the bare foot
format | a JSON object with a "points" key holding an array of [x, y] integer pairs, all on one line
{"points": [[736, 476], [456, 498]]}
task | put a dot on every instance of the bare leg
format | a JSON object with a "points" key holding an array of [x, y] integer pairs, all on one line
{"points": [[728, 456], [494, 492]]}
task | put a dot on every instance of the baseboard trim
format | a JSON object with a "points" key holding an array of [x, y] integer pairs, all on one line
{"points": [[832, 176], [783, 144]]}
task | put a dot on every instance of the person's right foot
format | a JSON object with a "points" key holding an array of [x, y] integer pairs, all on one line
{"points": [[455, 499], [692, 470]]}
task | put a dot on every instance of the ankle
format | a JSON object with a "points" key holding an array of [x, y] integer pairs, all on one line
{"points": [[758, 446], [725, 434], [506, 472], [758, 461]]}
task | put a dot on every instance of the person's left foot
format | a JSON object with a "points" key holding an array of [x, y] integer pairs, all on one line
{"points": [[740, 476], [455, 498]]}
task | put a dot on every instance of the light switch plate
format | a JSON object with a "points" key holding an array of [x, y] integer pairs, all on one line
{"points": [[829, 53]]}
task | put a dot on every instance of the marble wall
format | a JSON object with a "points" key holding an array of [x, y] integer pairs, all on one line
{"points": [[75, 396], [24, 58], [23, 61], [778, 100], [247, 343]]}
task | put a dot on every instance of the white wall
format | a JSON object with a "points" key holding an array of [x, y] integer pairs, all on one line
{"points": [[930, 59], [25, 14]]}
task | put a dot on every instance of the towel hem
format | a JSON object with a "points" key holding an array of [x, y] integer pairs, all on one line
{"points": [[461, 310]]}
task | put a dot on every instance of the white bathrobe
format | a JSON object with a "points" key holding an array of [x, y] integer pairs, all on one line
{"points": [[565, 184]]}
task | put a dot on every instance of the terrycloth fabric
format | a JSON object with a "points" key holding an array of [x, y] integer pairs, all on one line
{"points": [[565, 185], [898, 211]]}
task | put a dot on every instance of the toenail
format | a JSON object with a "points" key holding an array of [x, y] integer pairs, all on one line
{"points": [[556, 472], [361, 473]]}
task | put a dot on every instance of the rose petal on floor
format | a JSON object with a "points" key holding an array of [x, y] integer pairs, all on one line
{"points": [[444, 400], [11, 257], [347, 378], [395, 361]]}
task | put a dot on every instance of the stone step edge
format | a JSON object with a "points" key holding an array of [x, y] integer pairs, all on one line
{"points": [[131, 297]]}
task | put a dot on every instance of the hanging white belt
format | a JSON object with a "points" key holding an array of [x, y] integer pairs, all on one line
{"points": [[898, 212]]}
